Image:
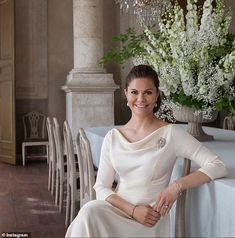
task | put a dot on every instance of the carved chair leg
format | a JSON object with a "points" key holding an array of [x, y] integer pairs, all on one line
{"points": [[68, 204], [53, 180], [57, 187], [61, 194], [23, 155], [49, 176]]}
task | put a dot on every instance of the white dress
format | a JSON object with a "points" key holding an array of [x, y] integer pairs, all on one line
{"points": [[144, 169]]}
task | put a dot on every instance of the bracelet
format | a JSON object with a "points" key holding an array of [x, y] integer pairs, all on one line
{"points": [[133, 211], [179, 187]]}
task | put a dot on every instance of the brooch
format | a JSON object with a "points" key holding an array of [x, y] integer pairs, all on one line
{"points": [[161, 142]]}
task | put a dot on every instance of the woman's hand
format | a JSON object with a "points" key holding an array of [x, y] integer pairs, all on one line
{"points": [[166, 198], [146, 215]]}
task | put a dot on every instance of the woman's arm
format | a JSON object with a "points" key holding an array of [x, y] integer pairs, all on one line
{"points": [[194, 179], [169, 195], [186, 146], [211, 167], [144, 214], [106, 172]]}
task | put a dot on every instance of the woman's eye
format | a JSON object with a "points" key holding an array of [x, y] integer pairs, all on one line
{"points": [[149, 92], [134, 92]]}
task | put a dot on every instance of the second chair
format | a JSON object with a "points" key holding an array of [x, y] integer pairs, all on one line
{"points": [[86, 168], [72, 200], [60, 165], [52, 158]]}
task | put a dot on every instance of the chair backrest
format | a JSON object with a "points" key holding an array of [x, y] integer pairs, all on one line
{"points": [[34, 126], [52, 152], [69, 148], [86, 168], [58, 144], [83, 171], [229, 123]]}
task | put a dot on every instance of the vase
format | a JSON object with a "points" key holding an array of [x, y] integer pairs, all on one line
{"points": [[187, 114], [229, 123]]}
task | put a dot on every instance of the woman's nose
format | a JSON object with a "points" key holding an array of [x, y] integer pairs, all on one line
{"points": [[141, 97]]}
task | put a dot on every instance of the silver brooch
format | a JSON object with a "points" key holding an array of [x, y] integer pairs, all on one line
{"points": [[161, 142]]}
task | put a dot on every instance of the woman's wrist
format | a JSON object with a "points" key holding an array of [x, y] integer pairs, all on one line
{"points": [[133, 210], [179, 188]]}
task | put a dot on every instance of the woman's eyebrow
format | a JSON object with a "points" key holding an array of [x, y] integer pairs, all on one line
{"points": [[140, 90]]}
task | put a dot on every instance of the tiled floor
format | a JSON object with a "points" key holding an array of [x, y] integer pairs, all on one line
{"points": [[25, 203]]}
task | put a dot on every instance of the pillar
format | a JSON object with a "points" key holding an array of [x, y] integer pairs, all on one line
{"points": [[89, 90]]}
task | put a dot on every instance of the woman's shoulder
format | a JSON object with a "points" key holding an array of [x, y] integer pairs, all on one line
{"points": [[163, 124], [180, 134], [112, 132], [177, 129]]}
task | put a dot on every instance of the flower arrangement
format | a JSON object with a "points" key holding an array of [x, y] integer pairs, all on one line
{"points": [[165, 111], [194, 54]]}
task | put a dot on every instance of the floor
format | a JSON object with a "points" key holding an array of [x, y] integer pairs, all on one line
{"points": [[25, 203]]}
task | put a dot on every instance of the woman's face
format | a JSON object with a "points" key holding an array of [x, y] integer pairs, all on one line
{"points": [[141, 96]]}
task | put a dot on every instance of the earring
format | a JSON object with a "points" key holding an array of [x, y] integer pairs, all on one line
{"points": [[127, 104], [155, 105]]}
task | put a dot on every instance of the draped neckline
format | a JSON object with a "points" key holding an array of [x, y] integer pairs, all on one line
{"points": [[144, 138]]}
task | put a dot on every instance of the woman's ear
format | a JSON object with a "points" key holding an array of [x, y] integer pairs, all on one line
{"points": [[125, 91], [158, 95]]}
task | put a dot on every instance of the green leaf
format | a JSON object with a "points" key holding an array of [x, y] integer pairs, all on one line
{"points": [[188, 101]]}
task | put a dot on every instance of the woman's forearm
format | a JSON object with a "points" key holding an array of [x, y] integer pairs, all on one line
{"points": [[170, 194], [194, 179], [144, 214], [121, 203]]}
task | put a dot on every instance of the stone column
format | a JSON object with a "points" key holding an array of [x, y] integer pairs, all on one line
{"points": [[88, 35], [89, 90]]}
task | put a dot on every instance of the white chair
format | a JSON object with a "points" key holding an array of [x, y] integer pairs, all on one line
{"points": [[34, 134], [229, 123], [52, 157], [86, 168], [60, 165], [72, 201]]}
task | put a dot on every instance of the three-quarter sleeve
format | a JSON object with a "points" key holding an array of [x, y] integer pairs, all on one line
{"points": [[106, 172], [188, 147]]}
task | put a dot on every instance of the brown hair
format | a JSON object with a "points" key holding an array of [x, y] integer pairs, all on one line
{"points": [[144, 71]]}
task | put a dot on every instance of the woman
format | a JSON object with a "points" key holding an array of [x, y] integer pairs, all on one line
{"points": [[142, 154]]}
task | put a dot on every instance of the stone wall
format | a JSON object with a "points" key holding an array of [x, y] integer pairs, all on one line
{"points": [[43, 57], [60, 53]]}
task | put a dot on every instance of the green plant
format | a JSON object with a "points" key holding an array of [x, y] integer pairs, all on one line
{"points": [[228, 101], [131, 47]]}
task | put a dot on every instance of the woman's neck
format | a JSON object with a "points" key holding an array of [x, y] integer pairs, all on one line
{"points": [[140, 123]]}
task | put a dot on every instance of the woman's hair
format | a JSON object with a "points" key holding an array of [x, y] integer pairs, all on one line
{"points": [[144, 71]]}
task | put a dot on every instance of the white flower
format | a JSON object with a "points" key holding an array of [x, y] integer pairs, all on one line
{"points": [[190, 55], [203, 89]]}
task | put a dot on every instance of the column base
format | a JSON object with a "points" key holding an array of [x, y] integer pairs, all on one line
{"points": [[89, 100]]}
